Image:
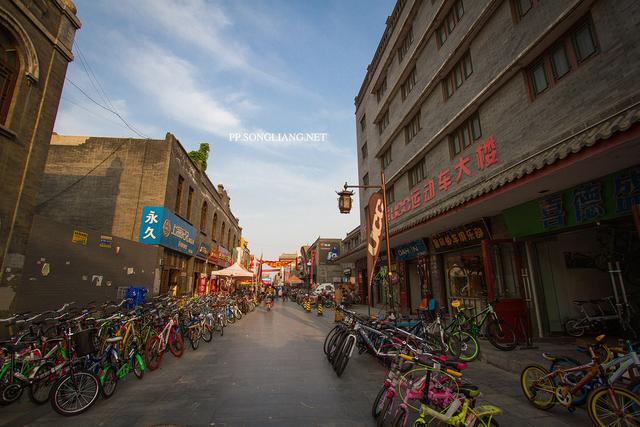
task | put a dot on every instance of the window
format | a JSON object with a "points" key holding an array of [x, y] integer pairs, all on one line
{"points": [[364, 151], [584, 42], [229, 242], [559, 62], [412, 129], [235, 239], [565, 56], [384, 122], [365, 179], [539, 78], [465, 135], [417, 173], [458, 74], [189, 203], [391, 197], [386, 158], [363, 123], [178, 206], [203, 218], [222, 233], [408, 84], [9, 70], [381, 89], [405, 45], [450, 21], [214, 226]]}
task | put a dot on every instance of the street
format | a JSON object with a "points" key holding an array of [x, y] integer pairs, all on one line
{"points": [[269, 369]]}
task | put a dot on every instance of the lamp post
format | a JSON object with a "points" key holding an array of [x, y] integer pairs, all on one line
{"points": [[345, 203]]}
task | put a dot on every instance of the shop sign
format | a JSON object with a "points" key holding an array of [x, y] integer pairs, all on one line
{"points": [[410, 250], [105, 241], [204, 249], [219, 255], [464, 235], [375, 225], [608, 197], [160, 226], [486, 156], [79, 237]]}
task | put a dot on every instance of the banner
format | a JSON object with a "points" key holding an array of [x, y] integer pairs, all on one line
{"points": [[375, 224], [278, 264]]}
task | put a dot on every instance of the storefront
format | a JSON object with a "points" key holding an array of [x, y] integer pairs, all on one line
{"points": [[160, 226], [460, 262], [572, 236], [201, 268], [219, 257], [413, 275]]}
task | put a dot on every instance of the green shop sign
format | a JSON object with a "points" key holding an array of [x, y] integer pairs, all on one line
{"points": [[608, 197]]}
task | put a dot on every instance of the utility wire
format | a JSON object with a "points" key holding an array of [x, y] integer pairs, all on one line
{"points": [[92, 112]]}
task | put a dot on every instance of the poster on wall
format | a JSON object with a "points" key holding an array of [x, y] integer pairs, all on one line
{"points": [[329, 251], [79, 237], [96, 280]]}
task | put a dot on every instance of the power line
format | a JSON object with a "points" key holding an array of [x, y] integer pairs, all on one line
{"points": [[79, 105]]}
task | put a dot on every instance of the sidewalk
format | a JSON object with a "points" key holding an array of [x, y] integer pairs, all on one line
{"points": [[516, 360]]}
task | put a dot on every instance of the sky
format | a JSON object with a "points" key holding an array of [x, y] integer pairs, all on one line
{"points": [[204, 70]]}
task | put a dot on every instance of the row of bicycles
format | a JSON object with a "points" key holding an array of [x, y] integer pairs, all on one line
{"points": [[608, 384], [73, 355], [423, 386]]}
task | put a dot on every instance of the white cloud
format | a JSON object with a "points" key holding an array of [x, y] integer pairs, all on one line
{"points": [[283, 206], [171, 83]]}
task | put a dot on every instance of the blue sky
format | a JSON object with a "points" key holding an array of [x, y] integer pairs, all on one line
{"points": [[203, 69]]}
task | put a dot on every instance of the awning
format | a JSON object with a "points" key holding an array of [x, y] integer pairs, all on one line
{"points": [[235, 271]]}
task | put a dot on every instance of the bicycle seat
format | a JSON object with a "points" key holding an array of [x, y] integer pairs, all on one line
{"points": [[114, 339], [470, 390], [550, 357], [581, 301]]}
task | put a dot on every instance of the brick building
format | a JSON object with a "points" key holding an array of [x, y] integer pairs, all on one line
{"points": [[36, 38], [508, 133], [121, 187], [321, 257]]}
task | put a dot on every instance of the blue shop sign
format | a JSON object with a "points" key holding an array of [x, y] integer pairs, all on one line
{"points": [[411, 250], [203, 250], [160, 226]]}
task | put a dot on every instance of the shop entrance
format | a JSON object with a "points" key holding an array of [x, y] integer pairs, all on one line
{"points": [[465, 277], [505, 274]]}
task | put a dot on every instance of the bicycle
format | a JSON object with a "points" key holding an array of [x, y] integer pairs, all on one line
{"points": [[544, 389], [167, 338], [498, 332]]}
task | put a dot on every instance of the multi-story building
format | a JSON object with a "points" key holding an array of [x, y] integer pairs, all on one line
{"points": [[322, 259], [143, 190], [36, 38], [508, 133]]}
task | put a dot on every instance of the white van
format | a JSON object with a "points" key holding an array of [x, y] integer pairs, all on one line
{"points": [[324, 287]]}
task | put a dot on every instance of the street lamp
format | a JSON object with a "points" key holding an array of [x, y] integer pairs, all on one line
{"points": [[344, 201], [344, 204]]}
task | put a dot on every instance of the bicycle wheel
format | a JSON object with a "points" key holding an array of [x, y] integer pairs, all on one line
{"points": [[385, 412], [345, 355], [42, 382], [137, 366], [537, 388], [152, 353], [572, 327], [327, 339], [75, 393], [194, 338], [376, 408], [238, 314], [207, 333], [464, 346], [614, 406], [108, 382], [401, 419], [176, 344], [501, 335]]}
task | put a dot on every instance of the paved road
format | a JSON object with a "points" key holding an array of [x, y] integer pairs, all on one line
{"points": [[269, 369]]}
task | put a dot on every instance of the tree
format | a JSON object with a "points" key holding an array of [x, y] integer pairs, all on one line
{"points": [[200, 156]]}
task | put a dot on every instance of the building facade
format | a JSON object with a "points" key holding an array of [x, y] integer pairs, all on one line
{"points": [[508, 133], [36, 38], [322, 256], [148, 191]]}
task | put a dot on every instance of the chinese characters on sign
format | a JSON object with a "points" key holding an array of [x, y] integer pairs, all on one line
{"points": [[79, 237], [486, 156], [627, 190], [160, 226], [588, 202], [460, 236], [552, 211]]}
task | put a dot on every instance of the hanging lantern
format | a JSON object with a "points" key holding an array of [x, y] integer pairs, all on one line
{"points": [[344, 201]]}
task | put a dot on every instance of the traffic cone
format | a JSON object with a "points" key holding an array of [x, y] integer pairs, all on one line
{"points": [[319, 308]]}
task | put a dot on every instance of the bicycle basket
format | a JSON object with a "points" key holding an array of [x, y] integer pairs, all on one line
{"points": [[84, 342]]}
